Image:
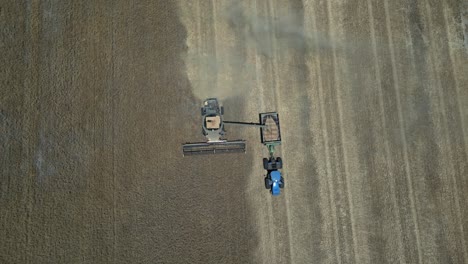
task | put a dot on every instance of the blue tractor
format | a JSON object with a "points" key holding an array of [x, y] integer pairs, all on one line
{"points": [[273, 180], [271, 137]]}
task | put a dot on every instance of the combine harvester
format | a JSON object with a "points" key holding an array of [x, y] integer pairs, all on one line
{"points": [[213, 129]]}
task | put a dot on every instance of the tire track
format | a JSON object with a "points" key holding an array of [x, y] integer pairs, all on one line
{"points": [[421, 131], [331, 191], [275, 70], [112, 117], [461, 112], [401, 254], [435, 61], [339, 103], [30, 104], [402, 131], [278, 234], [451, 47], [340, 148], [260, 86], [454, 73], [327, 62]]}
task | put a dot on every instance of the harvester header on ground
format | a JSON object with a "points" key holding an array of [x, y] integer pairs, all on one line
{"points": [[220, 147]]}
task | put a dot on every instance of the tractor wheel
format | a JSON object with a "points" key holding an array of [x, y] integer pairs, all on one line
{"points": [[281, 185], [265, 163], [279, 163], [267, 183]]}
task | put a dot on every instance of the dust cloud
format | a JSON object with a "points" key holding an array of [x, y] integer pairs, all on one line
{"points": [[222, 75], [271, 36], [223, 64]]}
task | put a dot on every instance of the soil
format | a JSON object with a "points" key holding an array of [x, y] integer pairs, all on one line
{"points": [[97, 98]]}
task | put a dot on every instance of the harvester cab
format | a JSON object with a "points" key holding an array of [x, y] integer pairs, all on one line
{"points": [[212, 114], [213, 130]]}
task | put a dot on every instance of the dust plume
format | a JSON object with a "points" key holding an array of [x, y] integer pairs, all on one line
{"points": [[221, 75], [271, 36], [226, 39]]}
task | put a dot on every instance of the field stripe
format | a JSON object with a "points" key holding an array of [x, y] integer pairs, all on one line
{"points": [[112, 103], [29, 118], [268, 253], [457, 84], [331, 190], [273, 253], [463, 126], [402, 131], [275, 67], [260, 87], [343, 147], [277, 99], [384, 126], [324, 129], [445, 121]]}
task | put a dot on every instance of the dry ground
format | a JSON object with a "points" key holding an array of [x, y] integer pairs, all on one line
{"points": [[96, 98]]}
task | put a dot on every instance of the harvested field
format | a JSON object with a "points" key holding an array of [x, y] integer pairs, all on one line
{"points": [[96, 98]]}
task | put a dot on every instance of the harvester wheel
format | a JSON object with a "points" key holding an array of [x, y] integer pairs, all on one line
{"points": [[222, 110]]}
